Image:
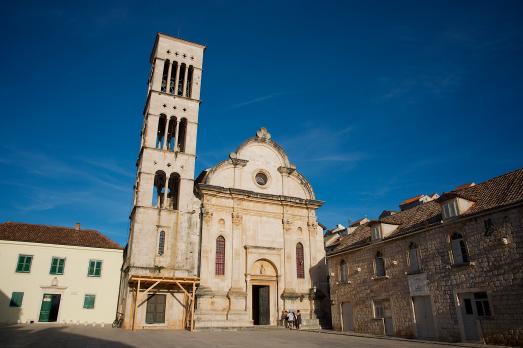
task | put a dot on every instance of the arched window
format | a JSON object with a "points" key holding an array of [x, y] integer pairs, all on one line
{"points": [[220, 256], [300, 267], [172, 79], [160, 133], [161, 243], [180, 79], [173, 192], [171, 129], [164, 75], [159, 189], [379, 265], [188, 89], [182, 131], [344, 271], [413, 258], [460, 253]]}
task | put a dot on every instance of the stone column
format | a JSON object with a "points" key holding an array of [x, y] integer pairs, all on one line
{"points": [[168, 82], [176, 78], [185, 81], [156, 79]]}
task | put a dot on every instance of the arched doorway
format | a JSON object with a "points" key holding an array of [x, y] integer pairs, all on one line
{"points": [[262, 295]]}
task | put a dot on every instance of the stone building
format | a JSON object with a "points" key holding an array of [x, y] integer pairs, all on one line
{"points": [[234, 247], [57, 274], [449, 269]]}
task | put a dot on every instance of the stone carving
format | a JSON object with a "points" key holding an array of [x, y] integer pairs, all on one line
{"points": [[207, 217], [233, 156], [287, 224], [236, 219], [263, 135], [287, 170]]}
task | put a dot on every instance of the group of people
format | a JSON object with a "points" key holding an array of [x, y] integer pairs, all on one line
{"points": [[290, 319]]}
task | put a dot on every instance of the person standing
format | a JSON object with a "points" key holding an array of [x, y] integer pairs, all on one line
{"points": [[284, 318], [297, 322], [290, 319]]}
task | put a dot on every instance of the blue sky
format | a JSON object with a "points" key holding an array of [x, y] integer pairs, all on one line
{"points": [[373, 101]]}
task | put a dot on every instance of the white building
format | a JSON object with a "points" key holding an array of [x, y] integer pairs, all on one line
{"points": [[57, 274]]}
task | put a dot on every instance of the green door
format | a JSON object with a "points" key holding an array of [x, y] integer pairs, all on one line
{"points": [[45, 310]]}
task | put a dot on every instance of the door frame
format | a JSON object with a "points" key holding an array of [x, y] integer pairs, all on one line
{"points": [[51, 290], [273, 310], [434, 321], [457, 305], [341, 316]]}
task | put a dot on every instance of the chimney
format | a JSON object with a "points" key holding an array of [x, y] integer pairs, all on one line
{"points": [[77, 226]]}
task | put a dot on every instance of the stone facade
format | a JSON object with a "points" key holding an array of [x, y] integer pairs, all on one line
{"points": [[256, 202], [262, 223], [441, 299]]}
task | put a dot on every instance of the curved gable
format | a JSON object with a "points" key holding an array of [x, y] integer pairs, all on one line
{"points": [[260, 156]]}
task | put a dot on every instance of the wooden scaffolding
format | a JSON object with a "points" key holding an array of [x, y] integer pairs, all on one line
{"points": [[142, 285]]}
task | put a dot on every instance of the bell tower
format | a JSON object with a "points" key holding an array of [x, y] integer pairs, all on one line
{"points": [[164, 229]]}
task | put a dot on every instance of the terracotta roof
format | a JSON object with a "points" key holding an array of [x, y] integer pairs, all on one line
{"points": [[22, 232], [494, 193], [412, 199]]}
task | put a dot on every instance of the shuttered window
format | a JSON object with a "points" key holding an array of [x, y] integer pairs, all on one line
{"points": [[89, 301], [155, 312], [220, 256], [24, 263], [300, 267], [16, 299], [161, 243], [459, 249], [95, 268], [57, 265]]}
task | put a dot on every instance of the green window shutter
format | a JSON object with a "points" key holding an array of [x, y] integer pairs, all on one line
{"points": [[24, 263], [54, 265], [98, 270], [27, 266], [16, 299], [89, 301], [61, 265], [91, 267]]}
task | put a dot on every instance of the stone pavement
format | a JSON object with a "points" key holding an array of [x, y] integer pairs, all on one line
{"points": [[43, 336]]}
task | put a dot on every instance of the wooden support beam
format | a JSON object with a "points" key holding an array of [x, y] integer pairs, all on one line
{"points": [[135, 303], [192, 306], [152, 286], [181, 287]]}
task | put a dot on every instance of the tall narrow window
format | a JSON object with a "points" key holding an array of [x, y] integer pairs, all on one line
{"points": [[171, 129], [460, 253], [173, 192], [300, 266], [413, 255], [220, 256], [160, 134], [188, 89], [182, 131], [379, 265], [180, 79], [344, 271], [159, 189], [164, 75], [161, 243], [172, 80]]}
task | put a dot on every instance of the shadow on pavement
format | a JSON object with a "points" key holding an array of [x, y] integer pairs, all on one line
{"points": [[45, 336]]}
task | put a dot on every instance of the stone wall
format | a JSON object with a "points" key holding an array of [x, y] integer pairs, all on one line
{"points": [[496, 268]]}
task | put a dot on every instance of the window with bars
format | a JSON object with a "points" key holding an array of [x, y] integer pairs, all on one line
{"points": [[220, 256], [89, 301], [57, 265], [95, 268], [16, 299], [300, 267], [24, 263], [161, 243]]}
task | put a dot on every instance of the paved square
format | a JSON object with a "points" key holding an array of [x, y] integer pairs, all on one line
{"points": [[43, 336]]}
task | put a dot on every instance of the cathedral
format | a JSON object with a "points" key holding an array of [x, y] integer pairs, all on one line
{"points": [[233, 247]]}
